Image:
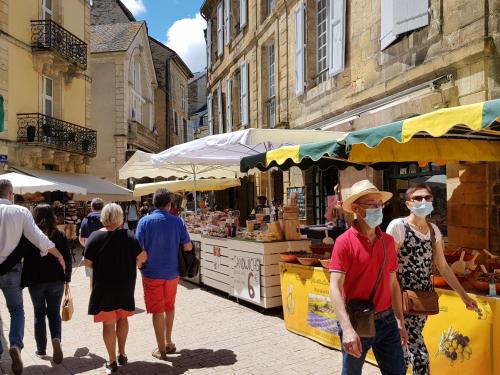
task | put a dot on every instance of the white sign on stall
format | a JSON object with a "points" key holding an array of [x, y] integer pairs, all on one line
{"points": [[246, 278]]}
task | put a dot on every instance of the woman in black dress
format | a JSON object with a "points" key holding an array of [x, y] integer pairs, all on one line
{"points": [[112, 254]]}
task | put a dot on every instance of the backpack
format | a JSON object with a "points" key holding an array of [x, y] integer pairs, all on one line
{"points": [[93, 224]]}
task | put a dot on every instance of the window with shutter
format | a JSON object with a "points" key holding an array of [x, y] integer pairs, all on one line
{"points": [[227, 21], [243, 13], [321, 40], [299, 49], [210, 116], [410, 15], [229, 107], [209, 43], [220, 30], [48, 96], [220, 112], [244, 93], [337, 23]]}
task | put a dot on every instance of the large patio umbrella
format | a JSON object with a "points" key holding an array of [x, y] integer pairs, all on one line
{"points": [[208, 184]]}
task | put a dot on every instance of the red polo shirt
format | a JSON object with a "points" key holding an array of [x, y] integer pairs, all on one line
{"points": [[354, 255]]}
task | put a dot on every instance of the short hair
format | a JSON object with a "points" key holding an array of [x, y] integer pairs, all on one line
{"points": [[5, 188], [413, 189], [112, 214], [161, 198], [262, 198], [97, 204]]}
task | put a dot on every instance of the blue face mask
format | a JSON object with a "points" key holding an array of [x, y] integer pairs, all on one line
{"points": [[373, 217], [422, 209]]}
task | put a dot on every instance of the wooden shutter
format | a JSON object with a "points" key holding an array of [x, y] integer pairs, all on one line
{"points": [[387, 35], [210, 115], [220, 113], [244, 93], [209, 43], [243, 13], [229, 109], [336, 36], [227, 21], [299, 49], [220, 30], [410, 15]]}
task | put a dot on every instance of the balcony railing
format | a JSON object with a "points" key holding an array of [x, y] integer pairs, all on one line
{"points": [[39, 129], [46, 35]]}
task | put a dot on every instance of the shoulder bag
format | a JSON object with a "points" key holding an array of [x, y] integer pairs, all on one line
{"points": [[362, 312], [189, 265], [67, 305], [422, 303]]}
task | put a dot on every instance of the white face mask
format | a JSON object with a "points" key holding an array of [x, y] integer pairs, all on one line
{"points": [[373, 217], [422, 209]]}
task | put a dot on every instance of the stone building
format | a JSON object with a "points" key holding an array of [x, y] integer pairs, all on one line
{"points": [[45, 84], [198, 114], [347, 65]]}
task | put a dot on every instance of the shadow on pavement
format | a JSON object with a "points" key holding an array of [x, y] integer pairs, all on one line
{"points": [[82, 361], [181, 362]]}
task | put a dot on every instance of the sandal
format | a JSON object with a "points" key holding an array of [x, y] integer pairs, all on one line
{"points": [[162, 356], [170, 348]]}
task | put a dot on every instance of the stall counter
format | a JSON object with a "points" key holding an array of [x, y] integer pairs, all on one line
{"points": [[246, 270], [308, 312]]}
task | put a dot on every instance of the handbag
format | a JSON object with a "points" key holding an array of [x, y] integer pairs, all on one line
{"points": [[422, 302], [362, 312], [189, 265], [67, 305]]}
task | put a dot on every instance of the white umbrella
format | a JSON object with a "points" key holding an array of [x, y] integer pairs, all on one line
{"points": [[208, 184], [27, 184]]}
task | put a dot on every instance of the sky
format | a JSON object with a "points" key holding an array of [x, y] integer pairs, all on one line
{"points": [[178, 24]]}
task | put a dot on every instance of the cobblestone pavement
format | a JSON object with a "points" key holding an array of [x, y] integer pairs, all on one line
{"points": [[213, 334]]}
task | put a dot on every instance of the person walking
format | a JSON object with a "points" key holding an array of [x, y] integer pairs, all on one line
{"points": [[363, 272], [132, 215], [16, 221], [92, 221], [113, 254], [420, 245], [161, 235]]}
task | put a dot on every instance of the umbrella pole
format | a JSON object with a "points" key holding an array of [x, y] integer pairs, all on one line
{"points": [[194, 190]]}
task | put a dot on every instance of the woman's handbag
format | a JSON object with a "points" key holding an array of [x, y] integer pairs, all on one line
{"points": [[67, 305], [422, 303], [362, 312]]}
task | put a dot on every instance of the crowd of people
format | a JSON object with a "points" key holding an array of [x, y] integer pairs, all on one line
{"points": [[35, 254]]}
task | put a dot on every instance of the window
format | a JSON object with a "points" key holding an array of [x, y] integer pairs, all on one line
{"points": [[46, 10], [48, 96], [227, 21], [183, 95], [220, 113], [271, 102], [137, 99], [299, 49], [399, 17], [237, 94], [336, 36], [209, 43], [243, 13], [176, 124], [244, 94], [220, 29], [210, 115], [270, 6], [184, 130], [321, 40], [173, 87], [229, 107]]}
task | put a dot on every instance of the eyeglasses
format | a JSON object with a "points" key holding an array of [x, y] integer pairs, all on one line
{"points": [[420, 198], [378, 204]]}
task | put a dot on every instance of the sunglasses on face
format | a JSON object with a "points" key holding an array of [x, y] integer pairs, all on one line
{"points": [[378, 204], [420, 198]]}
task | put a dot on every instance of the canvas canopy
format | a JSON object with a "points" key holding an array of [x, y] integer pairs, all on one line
{"points": [[209, 184], [23, 184]]}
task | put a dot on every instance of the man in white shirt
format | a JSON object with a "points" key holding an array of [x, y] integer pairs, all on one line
{"points": [[16, 221]]}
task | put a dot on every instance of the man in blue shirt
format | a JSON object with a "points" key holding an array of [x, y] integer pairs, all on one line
{"points": [[92, 221], [161, 234]]}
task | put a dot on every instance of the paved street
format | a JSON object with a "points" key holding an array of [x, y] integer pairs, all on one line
{"points": [[214, 335]]}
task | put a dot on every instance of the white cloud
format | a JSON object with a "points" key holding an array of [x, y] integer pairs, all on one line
{"points": [[135, 6], [186, 38]]}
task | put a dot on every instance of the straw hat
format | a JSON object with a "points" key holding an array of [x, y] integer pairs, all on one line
{"points": [[361, 188]]}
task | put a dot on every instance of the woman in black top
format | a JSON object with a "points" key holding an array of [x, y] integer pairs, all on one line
{"points": [[113, 253]]}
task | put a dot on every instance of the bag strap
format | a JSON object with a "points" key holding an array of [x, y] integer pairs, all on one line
{"points": [[380, 274], [107, 241], [67, 291]]}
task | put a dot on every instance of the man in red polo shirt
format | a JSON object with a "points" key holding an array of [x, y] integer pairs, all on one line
{"points": [[358, 256]]}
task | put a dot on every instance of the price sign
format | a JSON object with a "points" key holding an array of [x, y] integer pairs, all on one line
{"points": [[246, 276], [217, 258]]}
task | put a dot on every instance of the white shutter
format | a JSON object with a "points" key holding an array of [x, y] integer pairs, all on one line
{"points": [[220, 30], [410, 15], [229, 105], [243, 13], [336, 36], [387, 35], [244, 93], [220, 113], [227, 21], [299, 49], [209, 43], [210, 116]]}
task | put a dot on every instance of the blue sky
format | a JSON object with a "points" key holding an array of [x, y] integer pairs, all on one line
{"points": [[176, 23]]}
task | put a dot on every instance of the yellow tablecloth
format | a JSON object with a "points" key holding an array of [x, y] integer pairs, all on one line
{"points": [[309, 312]]}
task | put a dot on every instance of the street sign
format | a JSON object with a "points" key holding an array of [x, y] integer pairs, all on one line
{"points": [[3, 158]]}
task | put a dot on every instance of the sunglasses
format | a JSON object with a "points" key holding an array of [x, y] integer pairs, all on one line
{"points": [[378, 204], [420, 198]]}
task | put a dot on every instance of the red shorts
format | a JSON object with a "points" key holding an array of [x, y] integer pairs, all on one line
{"points": [[108, 316], [159, 294]]}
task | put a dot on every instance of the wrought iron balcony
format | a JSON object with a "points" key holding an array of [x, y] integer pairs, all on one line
{"points": [[47, 35], [39, 129]]}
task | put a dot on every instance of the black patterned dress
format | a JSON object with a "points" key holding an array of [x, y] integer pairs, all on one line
{"points": [[415, 273]]}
